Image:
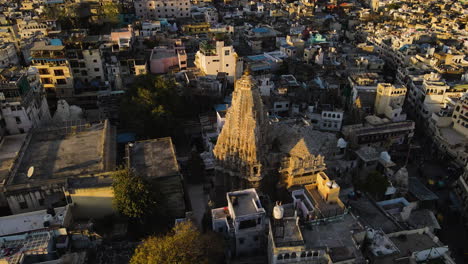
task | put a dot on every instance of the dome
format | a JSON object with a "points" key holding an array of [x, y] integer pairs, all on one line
{"points": [[342, 143], [385, 156]]}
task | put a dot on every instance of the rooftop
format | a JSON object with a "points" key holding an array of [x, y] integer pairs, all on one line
{"points": [[245, 202], [153, 158], [27, 222], [291, 236], [10, 148], [336, 236], [53, 153]]}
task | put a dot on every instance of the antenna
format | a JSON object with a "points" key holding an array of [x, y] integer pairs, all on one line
{"points": [[30, 171]]}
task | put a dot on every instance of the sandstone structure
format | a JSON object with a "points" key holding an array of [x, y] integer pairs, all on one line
{"points": [[242, 145]]}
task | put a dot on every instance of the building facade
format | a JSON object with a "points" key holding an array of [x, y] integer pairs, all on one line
{"points": [[151, 9]]}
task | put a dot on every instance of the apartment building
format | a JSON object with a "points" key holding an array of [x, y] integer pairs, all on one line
{"points": [[54, 68], [389, 101], [153, 9], [243, 221], [23, 104], [215, 57]]}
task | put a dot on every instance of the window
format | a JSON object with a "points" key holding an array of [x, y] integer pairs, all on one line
{"points": [[226, 53], [23, 205], [227, 65], [18, 120], [61, 81], [96, 69], [21, 130], [247, 223], [95, 61], [59, 73], [293, 255]]}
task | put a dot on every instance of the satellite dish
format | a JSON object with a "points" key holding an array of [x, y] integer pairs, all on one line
{"points": [[30, 171]]}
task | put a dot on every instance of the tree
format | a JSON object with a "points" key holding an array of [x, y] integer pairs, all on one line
{"points": [[376, 184], [184, 244], [132, 194], [151, 106], [109, 12]]}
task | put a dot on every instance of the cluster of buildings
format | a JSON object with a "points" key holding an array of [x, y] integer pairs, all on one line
{"points": [[316, 109]]}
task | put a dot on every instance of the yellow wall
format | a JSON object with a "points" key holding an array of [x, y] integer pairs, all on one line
{"points": [[92, 202]]}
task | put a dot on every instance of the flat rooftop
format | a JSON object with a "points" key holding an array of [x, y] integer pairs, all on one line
{"points": [[14, 248], [244, 202], [154, 158], [336, 236], [290, 237], [22, 223], [161, 53], [9, 150], [61, 152]]}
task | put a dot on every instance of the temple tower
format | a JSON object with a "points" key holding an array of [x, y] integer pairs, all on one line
{"points": [[241, 146]]}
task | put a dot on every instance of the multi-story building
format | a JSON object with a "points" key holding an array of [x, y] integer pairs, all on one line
{"points": [[389, 101], [156, 160], [331, 120], [213, 58], [23, 104], [153, 9], [54, 69], [29, 28], [8, 56], [461, 189], [243, 221], [166, 58]]}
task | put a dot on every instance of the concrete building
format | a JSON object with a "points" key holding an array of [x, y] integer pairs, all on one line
{"points": [[28, 28], [54, 69], [331, 120], [328, 233], [150, 28], [379, 131], [213, 58], [389, 101], [153, 9], [45, 159], [23, 105], [156, 160], [243, 221], [8, 56], [168, 58]]}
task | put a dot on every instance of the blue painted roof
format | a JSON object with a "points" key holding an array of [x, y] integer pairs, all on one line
{"points": [[56, 42], [260, 30], [221, 107], [256, 57]]}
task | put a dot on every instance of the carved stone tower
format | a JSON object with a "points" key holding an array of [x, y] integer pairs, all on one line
{"points": [[241, 146]]}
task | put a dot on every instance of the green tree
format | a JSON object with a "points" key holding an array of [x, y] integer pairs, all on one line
{"points": [[151, 106], [109, 12], [183, 245], [132, 194], [376, 184]]}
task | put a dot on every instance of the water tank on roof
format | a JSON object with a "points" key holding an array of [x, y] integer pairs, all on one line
{"points": [[48, 218], [335, 185], [385, 156], [329, 184], [278, 211]]}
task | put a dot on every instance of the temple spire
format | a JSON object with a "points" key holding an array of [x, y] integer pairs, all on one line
{"points": [[240, 149]]}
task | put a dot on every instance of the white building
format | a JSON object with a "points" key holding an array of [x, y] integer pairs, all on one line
{"points": [[8, 56], [152, 9], [23, 104], [150, 28], [244, 220], [389, 101], [213, 59], [331, 120]]}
